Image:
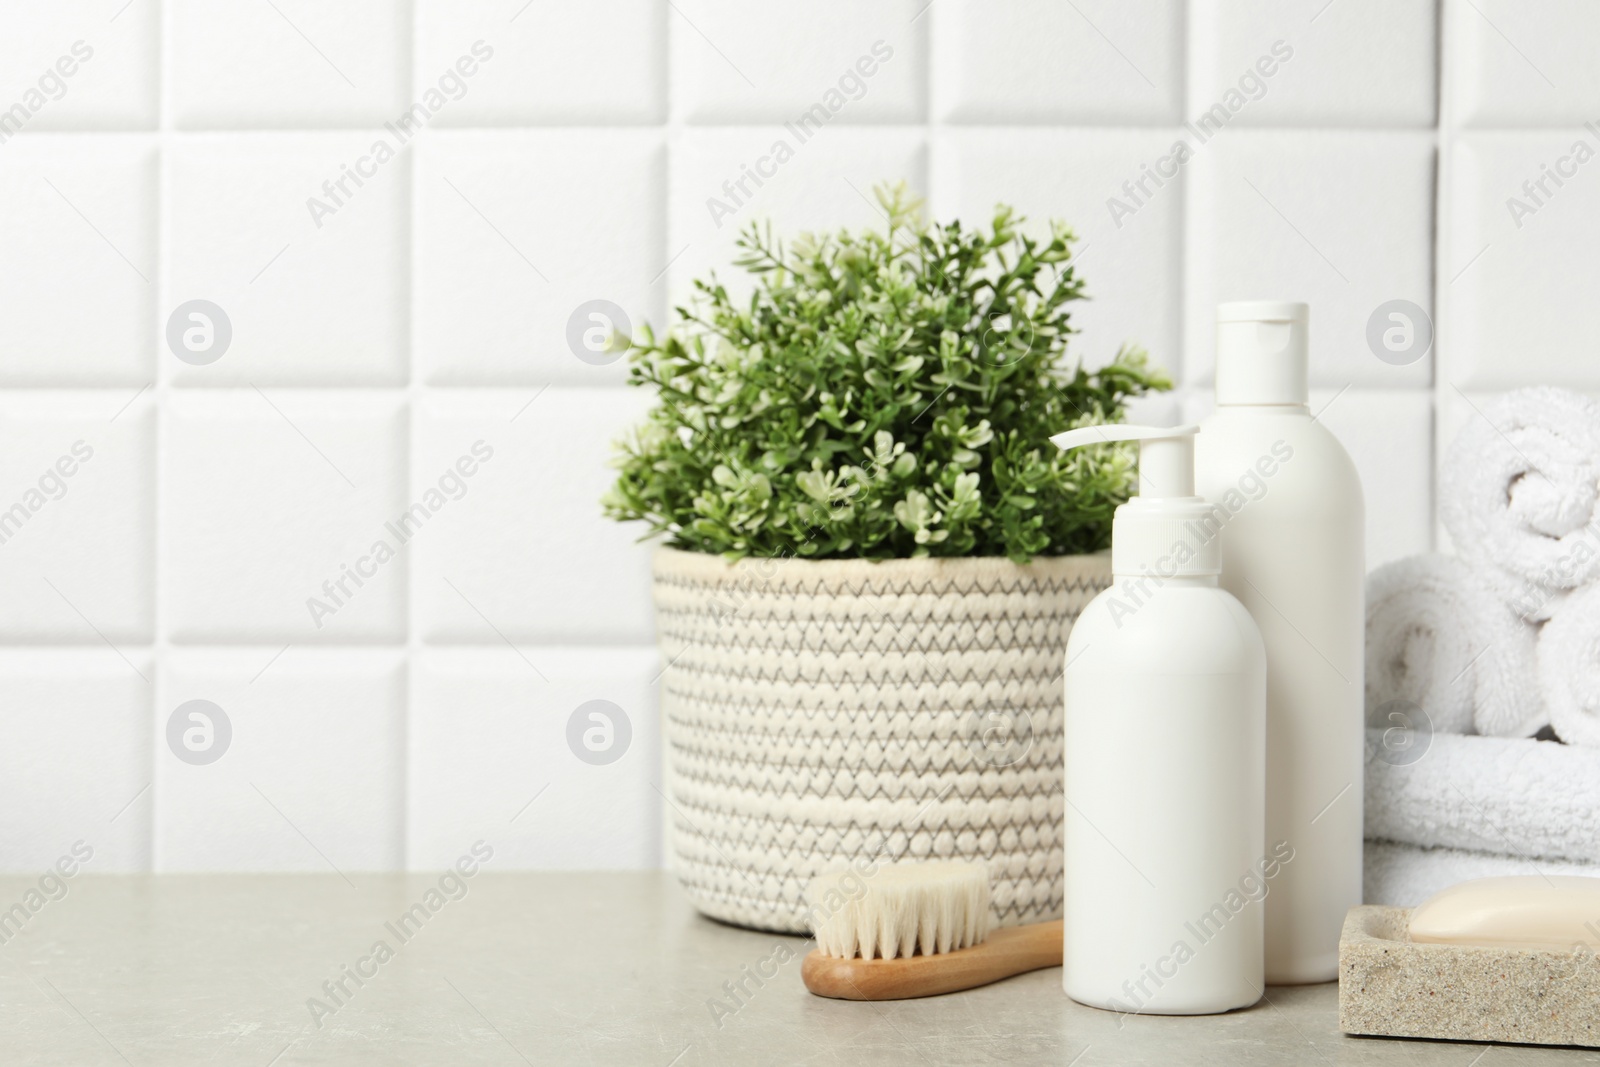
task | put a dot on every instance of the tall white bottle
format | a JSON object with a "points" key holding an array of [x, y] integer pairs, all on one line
{"points": [[1164, 748], [1293, 553]]}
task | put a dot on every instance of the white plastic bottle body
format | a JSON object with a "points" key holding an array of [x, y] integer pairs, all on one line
{"points": [[1293, 551], [1164, 749]]}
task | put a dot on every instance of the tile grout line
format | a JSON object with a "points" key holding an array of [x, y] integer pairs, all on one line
{"points": [[161, 403], [1445, 127], [672, 136], [413, 650]]}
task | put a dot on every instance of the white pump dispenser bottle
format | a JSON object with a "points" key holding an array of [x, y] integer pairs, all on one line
{"points": [[1164, 741], [1293, 553]]}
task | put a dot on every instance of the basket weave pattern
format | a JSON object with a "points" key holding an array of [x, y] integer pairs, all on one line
{"points": [[817, 712]]}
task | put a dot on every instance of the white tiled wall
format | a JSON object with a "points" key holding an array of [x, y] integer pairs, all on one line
{"points": [[424, 310]]}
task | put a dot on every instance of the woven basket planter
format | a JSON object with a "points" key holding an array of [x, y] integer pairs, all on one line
{"points": [[819, 712]]}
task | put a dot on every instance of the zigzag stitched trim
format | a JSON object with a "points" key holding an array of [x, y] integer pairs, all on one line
{"points": [[920, 763], [1047, 828], [971, 676], [952, 646], [755, 707], [859, 794], [869, 588]]}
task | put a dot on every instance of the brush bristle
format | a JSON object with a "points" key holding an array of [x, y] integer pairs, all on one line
{"points": [[900, 909]]}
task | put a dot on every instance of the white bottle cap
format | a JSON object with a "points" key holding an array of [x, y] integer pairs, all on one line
{"points": [[1166, 530], [1262, 352]]}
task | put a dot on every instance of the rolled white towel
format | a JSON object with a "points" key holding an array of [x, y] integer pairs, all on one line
{"points": [[1405, 875], [1439, 638], [1520, 489], [1569, 669], [1534, 799]]}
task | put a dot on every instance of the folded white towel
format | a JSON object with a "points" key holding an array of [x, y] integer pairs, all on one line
{"points": [[1520, 488], [1440, 639], [1569, 670], [1533, 799], [1406, 875]]}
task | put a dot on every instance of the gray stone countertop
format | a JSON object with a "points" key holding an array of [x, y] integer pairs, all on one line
{"points": [[592, 968]]}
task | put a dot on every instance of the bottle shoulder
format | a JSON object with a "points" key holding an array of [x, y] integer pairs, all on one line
{"points": [[1140, 624], [1286, 461], [1236, 428]]}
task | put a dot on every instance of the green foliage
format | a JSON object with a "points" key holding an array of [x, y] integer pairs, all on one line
{"points": [[880, 394]]}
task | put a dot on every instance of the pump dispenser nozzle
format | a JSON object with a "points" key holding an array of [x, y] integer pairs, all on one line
{"points": [[1166, 454], [1166, 530]]}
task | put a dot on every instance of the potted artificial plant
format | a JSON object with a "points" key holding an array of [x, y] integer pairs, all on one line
{"points": [[872, 555]]}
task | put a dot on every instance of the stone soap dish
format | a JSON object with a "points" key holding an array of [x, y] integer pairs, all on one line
{"points": [[1390, 986]]}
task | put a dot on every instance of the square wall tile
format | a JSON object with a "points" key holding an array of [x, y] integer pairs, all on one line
{"points": [[1519, 271], [603, 61], [1514, 64], [1389, 435], [824, 62], [275, 508], [306, 259], [495, 753], [1130, 256], [822, 183], [1034, 61], [287, 63], [1312, 63], [1341, 220], [76, 762], [77, 521], [80, 65], [520, 236], [303, 770], [518, 550], [77, 260]]}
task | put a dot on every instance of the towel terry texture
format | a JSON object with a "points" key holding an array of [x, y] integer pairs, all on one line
{"points": [[1406, 875], [1520, 798], [1520, 488], [1569, 671], [1440, 639]]}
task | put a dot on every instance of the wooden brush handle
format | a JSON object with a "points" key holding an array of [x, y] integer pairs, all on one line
{"points": [[1012, 950]]}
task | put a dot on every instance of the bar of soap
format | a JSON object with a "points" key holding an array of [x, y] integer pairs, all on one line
{"points": [[1560, 912]]}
